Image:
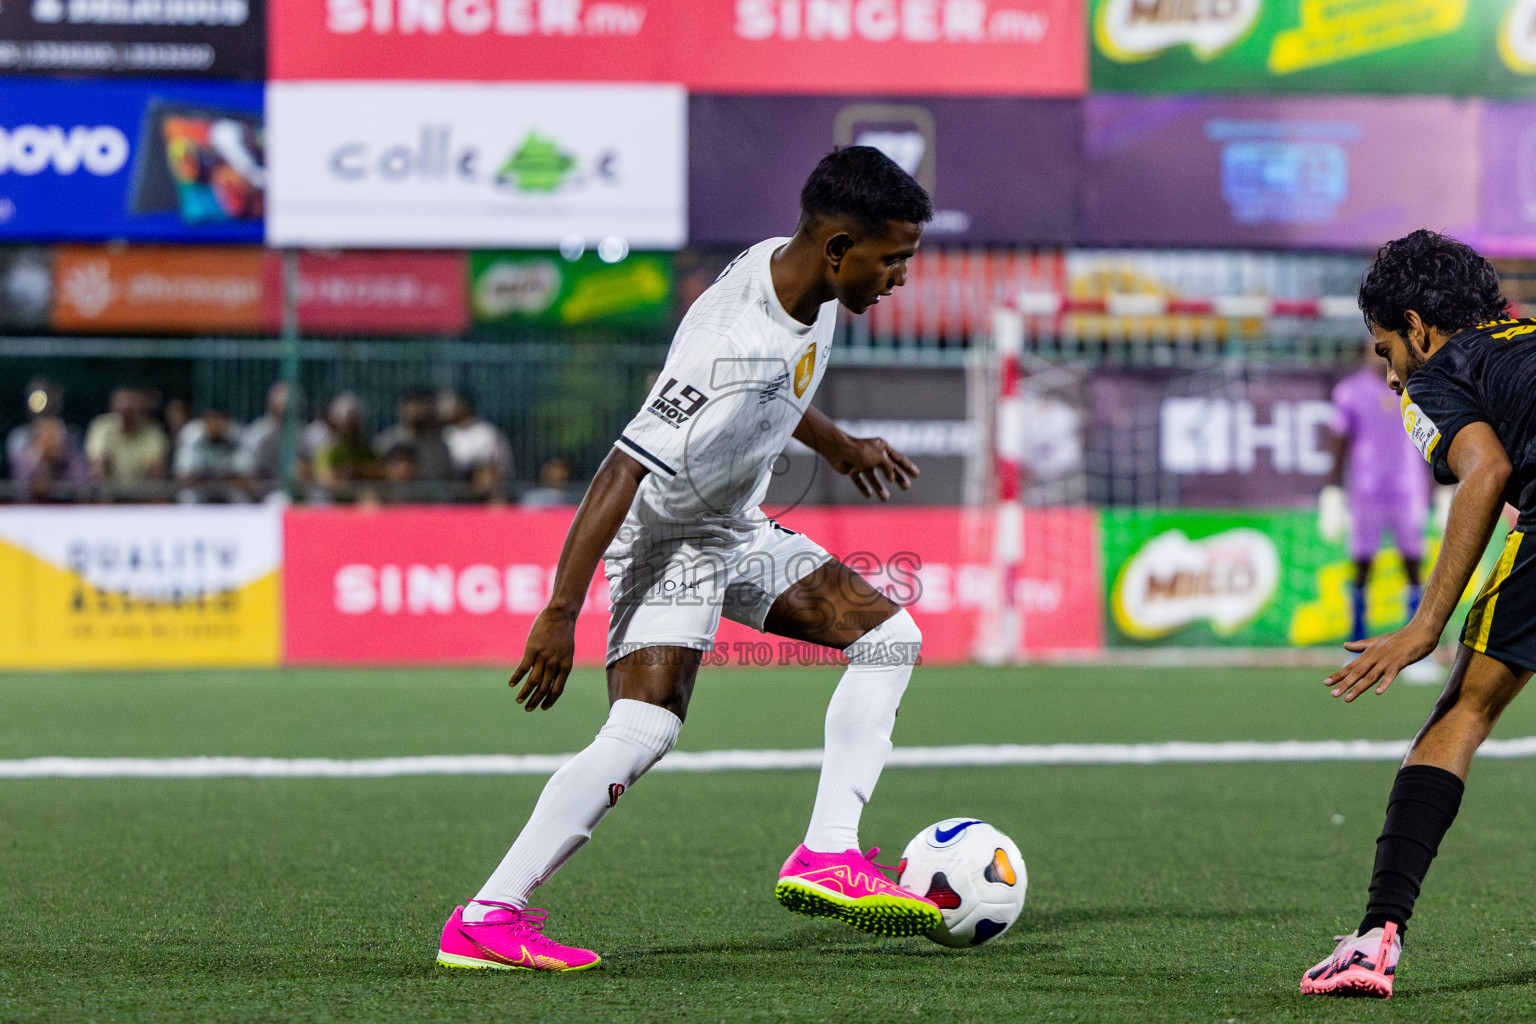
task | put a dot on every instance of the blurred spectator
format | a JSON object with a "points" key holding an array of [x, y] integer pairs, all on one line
{"points": [[125, 447], [49, 458], [399, 473], [480, 451], [43, 398], [261, 442], [208, 460], [176, 415], [419, 431], [554, 485], [345, 456]]}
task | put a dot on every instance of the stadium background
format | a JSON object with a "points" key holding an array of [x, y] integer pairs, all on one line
{"points": [[1122, 329], [399, 212]]}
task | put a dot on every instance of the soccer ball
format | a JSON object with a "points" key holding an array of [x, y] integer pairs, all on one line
{"points": [[973, 872]]}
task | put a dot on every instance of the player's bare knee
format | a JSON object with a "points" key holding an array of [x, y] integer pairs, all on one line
{"points": [[895, 641]]}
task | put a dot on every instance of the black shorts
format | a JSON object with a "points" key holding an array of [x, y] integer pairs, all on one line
{"points": [[1502, 622]]}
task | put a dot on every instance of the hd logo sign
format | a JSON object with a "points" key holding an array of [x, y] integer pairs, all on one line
{"points": [[120, 587]]}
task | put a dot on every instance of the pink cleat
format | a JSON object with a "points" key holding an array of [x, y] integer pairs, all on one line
{"points": [[1361, 965], [508, 939], [849, 887]]}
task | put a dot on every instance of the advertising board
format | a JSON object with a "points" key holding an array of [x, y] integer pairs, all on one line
{"points": [[547, 289], [160, 289], [1275, 171], [149, 160], [212, 38], [999, 170], [1460, 47], [967, 47], [383, 292], [127, 586], [1246, 579], [457, 165], [464, 585]]}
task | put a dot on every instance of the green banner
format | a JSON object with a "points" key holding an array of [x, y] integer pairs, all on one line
{"points": [[546, 289], [1459, 47], [1246, 579]]}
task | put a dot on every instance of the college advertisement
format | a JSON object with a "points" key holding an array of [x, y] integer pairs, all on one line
{"points": [[970, 47], [212, 38], [129, 586], [999, 170], [1275, 172], [448, 165], [137, 160], [1247, 579], [547, 289], [1460, 47], [452, 585]]}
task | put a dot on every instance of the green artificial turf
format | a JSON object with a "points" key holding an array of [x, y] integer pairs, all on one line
{"points": [[1157, 893]]}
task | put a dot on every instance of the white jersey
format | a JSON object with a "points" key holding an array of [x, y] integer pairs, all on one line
{"points": [[738, 378]]}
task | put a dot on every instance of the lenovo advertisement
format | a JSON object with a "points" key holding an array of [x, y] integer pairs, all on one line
{"points": [[137, 160], [449, 165]]}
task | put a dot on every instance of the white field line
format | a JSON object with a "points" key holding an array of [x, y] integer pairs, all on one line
{"points": [[729, 760]]}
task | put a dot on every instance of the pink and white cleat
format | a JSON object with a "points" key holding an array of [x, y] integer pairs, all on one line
{"points": [[849, 887], [1361, 965], [508, 939]]}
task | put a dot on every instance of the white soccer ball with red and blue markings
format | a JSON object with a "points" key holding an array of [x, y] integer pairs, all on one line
{"points": [[973, 872]]}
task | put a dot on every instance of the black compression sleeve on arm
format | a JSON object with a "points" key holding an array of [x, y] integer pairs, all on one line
{"points": [[1423, 804]]}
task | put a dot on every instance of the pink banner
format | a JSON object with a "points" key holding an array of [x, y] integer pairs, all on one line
{"points": [[459, 585], [383, 292], [953, 47]]}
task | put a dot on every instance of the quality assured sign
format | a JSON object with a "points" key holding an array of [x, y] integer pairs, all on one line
{"points": [[973, 47], [449, 165]]}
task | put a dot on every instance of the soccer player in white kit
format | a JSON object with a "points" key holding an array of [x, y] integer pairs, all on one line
{"points": [[673, 512]]}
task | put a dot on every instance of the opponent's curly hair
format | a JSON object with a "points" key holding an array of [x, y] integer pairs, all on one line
{"points": [[863, 183], [1445, 281]]}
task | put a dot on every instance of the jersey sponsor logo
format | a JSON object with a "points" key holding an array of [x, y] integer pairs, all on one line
{"points": [[771, 389], [805, 370], [1421, 429], [677, 409], [1516, 331]]}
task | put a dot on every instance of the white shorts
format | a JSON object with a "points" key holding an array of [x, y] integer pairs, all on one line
{"points": [[671, 592]]}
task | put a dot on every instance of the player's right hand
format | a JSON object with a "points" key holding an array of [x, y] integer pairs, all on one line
{"points": [[547, 660], [1380, 659]]}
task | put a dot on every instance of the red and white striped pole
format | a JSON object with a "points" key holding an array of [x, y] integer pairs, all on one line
{"points": [[1002, 634]]}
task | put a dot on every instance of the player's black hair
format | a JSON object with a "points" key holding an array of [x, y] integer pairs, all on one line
{"points": [[1445, 281], [863, 183]]}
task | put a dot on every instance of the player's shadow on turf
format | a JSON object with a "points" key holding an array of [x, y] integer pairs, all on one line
{"points": [[1525, 976]]}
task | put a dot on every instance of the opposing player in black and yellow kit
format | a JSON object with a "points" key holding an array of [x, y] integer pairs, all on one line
{"points": [[1467, 376]]}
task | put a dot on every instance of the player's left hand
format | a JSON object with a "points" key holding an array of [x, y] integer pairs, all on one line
{"points": [[1381, 659], [863, 457]]}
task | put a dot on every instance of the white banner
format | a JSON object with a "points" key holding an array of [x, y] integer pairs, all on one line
{"points": [[442, 165]]}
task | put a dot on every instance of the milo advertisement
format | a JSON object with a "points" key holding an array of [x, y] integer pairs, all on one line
{"points": [[551, 290], [1461, 47], [1247, 579]]}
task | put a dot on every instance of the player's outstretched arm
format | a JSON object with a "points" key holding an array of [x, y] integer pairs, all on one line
{"points": [[551, 646], [1479, 461], [857, 458]]}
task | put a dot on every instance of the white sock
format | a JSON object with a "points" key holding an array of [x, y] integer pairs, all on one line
{"points": [[576, 798], [858, 731]]}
